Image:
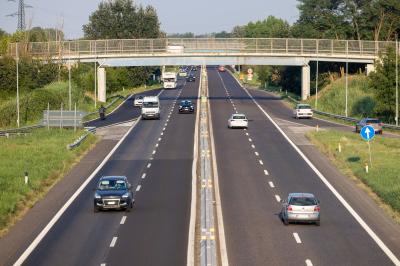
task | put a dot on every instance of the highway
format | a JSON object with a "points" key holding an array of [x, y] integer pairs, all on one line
{"points": [[257, 167], [156, 156]]}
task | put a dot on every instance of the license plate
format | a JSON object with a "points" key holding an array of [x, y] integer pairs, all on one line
{"points": [[111, 203]]}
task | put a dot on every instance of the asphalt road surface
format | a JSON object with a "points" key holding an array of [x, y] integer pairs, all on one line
{"points": [[256, 168], [158, 164]]}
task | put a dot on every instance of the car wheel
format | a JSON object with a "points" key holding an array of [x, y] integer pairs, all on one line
{"points": [[318, 223], [380, 132], [356, 129], [96, 209], [285, 221]]}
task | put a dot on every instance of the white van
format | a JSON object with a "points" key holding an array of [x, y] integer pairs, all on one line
{"points": [[151, 107]]}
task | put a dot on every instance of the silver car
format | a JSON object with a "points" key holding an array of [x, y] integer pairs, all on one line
{"points": [[374, 122], [300, 207]]}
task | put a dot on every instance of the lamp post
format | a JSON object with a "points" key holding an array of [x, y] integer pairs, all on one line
{"points": [[17, 59], [397, 82], [316, 86], [95, 84], [69, 85]]}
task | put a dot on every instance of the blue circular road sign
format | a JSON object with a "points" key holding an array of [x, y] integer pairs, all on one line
{"points": [[367, 132]]}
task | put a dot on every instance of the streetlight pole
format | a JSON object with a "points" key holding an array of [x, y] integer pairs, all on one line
{"points": [[316, 86], [69, 84], [95, 84], [397, 82], [17, 60], [347, 78]]}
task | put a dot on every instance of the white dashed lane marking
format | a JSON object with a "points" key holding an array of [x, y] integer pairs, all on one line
{"points": [[253, 146], [297, 238], [250, 140], [154, 152], [148, 165], [261, 162], [156, 145], [247, 133], [278, 199], [271, 184], [138, 188], [123, 220], [256, 153], [113, 241], [266, 172], [159, 139], [144, 176], [308, 262]]}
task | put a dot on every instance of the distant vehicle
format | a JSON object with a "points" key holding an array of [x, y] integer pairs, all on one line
{"points": [[113, 192], [374, 122], [301, 207], [151, 107], [191, 78], [186, 106], [169, 80], [238, 121], [303, 111], [194, 68], [182, 73], [138, 101], [221, 69]]}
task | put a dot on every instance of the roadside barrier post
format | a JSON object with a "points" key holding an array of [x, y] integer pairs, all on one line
{"points": [[366, 168], [340, 148], [26, 178]]}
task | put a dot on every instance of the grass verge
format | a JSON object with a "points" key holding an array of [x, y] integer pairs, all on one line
{"points": [[43, 154], [382, 181]]}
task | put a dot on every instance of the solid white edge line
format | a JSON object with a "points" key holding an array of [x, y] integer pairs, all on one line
{"points": [[271, 184], [308, 262], [297, 238], [123, 219], [138, 188], [220, 218], [113, 241], [144, 176], [278, 199], [190, 261], [57, 216], [350, 209]]}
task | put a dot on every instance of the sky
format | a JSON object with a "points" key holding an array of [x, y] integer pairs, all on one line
{"points": [[176, 16]]}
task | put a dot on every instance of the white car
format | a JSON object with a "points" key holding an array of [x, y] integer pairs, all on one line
{"points": [[303, 111], [138, 100], [238, 121]]}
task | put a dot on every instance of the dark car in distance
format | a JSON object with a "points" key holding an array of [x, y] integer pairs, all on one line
{"points": [[374, 122], [191, 78], [186, 106], [113, 192]]}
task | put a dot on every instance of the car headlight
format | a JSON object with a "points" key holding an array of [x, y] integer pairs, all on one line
{"points": [[126, 195], [97, 196]]}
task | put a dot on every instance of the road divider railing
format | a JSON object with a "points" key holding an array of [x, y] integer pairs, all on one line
{"points": [[208, 255], [76, 143], [18, 131]]}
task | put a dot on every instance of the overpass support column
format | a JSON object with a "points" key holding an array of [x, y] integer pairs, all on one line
{"points": [[370, 68], [305, 82], [101, 84]]}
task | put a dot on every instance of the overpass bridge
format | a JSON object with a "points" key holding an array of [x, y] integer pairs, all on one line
{"points": [[205, 51]]}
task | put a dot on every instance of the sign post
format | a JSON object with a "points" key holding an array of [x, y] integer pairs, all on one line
{"points": [[368, 133]]}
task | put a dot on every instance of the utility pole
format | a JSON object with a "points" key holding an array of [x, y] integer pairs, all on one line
{"points": [[397, 81], [16, 61], [20, 14]]}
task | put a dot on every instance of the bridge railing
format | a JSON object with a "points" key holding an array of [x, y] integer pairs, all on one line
{"points": [[122, 47]]}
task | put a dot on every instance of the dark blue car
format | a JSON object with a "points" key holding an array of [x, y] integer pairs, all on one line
{"points": [[113, 192]]}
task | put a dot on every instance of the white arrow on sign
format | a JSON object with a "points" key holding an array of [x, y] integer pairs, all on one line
{"points": [[367, 131]]}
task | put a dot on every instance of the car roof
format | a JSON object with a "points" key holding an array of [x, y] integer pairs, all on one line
{"points": [[238, 115], [113, 178], [301, 195]]}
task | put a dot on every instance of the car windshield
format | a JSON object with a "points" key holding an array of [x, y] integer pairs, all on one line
{"points": [[186, 103], [169, 80], [303, 201], [239, 117], [373, 121], [150, 104], [303, 107], [112, 184], [139, 97]]}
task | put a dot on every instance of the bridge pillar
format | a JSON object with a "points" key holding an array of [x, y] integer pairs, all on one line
{"points": [[370, 68], [305, 82], [101, 84]]}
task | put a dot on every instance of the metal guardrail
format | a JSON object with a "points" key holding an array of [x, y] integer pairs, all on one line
{"points": [[345, 118], [76, 143], [208, 255], [16, 131], [131, 47]]}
